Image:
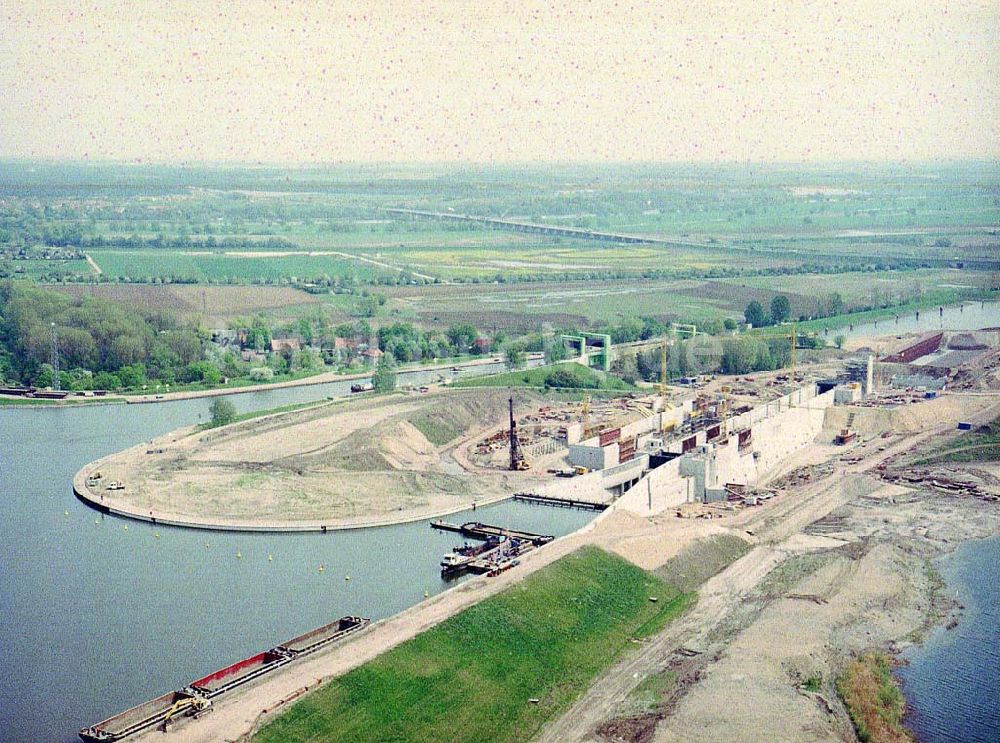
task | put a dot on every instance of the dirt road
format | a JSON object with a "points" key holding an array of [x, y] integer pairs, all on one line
{"points": [[778, 528]]}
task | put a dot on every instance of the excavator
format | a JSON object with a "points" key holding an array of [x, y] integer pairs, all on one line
{"points": [[187, 706]]}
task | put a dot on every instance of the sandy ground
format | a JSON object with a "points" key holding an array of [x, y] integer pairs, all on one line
{"points": [[348, 463], [757, 644], [838, 565]]}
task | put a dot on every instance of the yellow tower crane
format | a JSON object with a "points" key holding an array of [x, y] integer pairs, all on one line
{"points": [[663, 368]]}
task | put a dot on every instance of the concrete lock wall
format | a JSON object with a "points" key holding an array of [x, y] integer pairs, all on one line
{"points": [[778, 431], [593, 457], [664, 486]]}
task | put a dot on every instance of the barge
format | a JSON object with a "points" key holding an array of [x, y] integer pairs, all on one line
{"points": [[481, 531], [197, 698]]}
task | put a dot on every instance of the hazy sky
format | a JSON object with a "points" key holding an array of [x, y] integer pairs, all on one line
{"points": [[500, 81]]}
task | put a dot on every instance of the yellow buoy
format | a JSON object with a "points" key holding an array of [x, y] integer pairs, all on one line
{"points": [[125, 527], [239, 555], [65, 513], [97, 521], [426, 594], [347, 577], [157, 535], [321, 568], [270, 558]]}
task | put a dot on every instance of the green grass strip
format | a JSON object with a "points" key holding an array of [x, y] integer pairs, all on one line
{"points": [[472, 677]]}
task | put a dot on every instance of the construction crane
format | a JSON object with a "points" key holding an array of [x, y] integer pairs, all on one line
{"points": [[54, 358], [680, 327], [792, 354], [663, 368], [517, 460], [724, 407]]}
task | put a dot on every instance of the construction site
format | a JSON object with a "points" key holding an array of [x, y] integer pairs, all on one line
{"points": [[802, 502]]}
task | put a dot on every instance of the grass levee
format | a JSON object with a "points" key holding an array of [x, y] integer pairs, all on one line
{"points": [[873, 700], [702, 559], [472, 677]]}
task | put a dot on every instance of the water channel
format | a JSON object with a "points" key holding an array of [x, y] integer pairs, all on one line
{"points": [[952, 681], [96, 617], [964, 316]]}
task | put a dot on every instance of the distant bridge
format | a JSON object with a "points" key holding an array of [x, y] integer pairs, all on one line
{"points": [[545, 229]]}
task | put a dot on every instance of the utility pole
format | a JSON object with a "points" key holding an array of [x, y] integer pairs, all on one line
{"points": [[54, 354]]}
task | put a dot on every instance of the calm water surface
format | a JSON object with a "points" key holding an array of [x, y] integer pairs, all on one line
{"points": [[965, 316], [952, 683], [95, 617]]}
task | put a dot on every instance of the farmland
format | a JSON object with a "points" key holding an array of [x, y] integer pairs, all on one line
{"points": [[312, 249], [543, 639], [230, 267], [142, 223]]}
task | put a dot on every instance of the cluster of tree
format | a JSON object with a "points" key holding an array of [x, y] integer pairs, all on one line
{"points": [[781, 310], [404, 342], [732, 355], [100, 344]]}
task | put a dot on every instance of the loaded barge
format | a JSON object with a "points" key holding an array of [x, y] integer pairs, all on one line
{"points": [[478, 530], [500, 551], [196, 698]]}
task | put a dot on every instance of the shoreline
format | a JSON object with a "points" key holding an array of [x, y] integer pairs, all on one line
{"points": [[321, 378], [86, 496]]}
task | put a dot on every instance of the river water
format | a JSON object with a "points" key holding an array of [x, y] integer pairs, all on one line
{"points": [[99, 613], [952, 682], [965, 316]]}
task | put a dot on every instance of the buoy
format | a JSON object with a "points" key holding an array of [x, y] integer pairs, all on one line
{"points": [[269, 558], [65, 513], [125, 527], [347, 577], [239, 555], [321, 568], [206, 545], [157, 535], [97, 521], [426, 594]]}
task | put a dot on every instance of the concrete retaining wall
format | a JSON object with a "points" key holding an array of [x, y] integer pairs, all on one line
{"points": [[778, 431]]}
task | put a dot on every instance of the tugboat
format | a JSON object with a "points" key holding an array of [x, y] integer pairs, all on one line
{"points": [[458, 559]]}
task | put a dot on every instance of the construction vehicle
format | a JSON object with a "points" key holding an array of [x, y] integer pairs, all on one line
{"points": [[188, 706], [518, 463]]}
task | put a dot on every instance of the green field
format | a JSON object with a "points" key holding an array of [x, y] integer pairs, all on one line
{"points": [[471, 677], [147, 265], [540, 377], [747, 219]]}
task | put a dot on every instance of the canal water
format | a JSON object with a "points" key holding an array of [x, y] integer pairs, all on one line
{"points": [[965, 316], [952, 682], [100, 613]]}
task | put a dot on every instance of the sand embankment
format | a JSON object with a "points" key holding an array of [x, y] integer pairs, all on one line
{"points": [[345, 464]]}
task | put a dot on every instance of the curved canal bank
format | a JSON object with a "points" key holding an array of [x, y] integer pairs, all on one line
{"points": [[100, 613], [97, 502]]}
